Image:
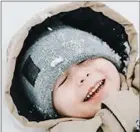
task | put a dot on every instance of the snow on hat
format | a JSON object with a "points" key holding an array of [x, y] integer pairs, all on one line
{"points": [[51, 55]]}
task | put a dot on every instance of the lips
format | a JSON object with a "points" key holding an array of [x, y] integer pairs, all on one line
{"points": [[94, 90]]}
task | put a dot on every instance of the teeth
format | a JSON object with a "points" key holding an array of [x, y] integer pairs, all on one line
{"points": [[92, 90], [95, 90], [101, 82], [97, 86], [90, 93]]}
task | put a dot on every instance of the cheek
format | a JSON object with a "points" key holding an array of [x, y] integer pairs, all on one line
{"points": [[65, 101], [68, 105], [113, 79]]}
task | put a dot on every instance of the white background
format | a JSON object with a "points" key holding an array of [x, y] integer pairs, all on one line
{"points": [[15, 15]]}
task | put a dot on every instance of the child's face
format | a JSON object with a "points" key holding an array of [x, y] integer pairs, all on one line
{"points": [[81, 89]]}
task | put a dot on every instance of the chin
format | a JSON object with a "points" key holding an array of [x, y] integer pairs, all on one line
{"points": [[91, 115]]}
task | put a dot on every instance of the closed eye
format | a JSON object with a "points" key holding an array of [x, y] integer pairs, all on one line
{"points": [[81, 62], [63, 81]]}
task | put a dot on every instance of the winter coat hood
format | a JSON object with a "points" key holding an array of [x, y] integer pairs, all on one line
{"points": [[92, 17]]}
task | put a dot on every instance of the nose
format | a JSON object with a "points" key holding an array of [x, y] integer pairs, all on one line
{"points": [[79, 74], [83, 78]]}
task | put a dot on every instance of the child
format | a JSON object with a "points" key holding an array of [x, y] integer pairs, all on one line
{"points": [[89, 73], [69, 72]]}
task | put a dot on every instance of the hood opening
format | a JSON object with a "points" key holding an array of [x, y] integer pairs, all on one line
{"points": [[84, 19]]}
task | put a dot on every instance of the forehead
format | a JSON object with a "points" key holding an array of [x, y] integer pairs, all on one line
{"points": [[81, 63]]}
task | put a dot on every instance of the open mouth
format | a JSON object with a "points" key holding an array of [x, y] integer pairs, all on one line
{"points": [[94, 90]]}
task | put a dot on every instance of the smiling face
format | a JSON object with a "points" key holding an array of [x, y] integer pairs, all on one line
{"points": [[81, 89]]}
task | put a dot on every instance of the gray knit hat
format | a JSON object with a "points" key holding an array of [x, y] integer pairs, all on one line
{"points": [[51, 55]]}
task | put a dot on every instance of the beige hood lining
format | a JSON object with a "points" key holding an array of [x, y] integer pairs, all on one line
{"points": [[17, 41]]}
